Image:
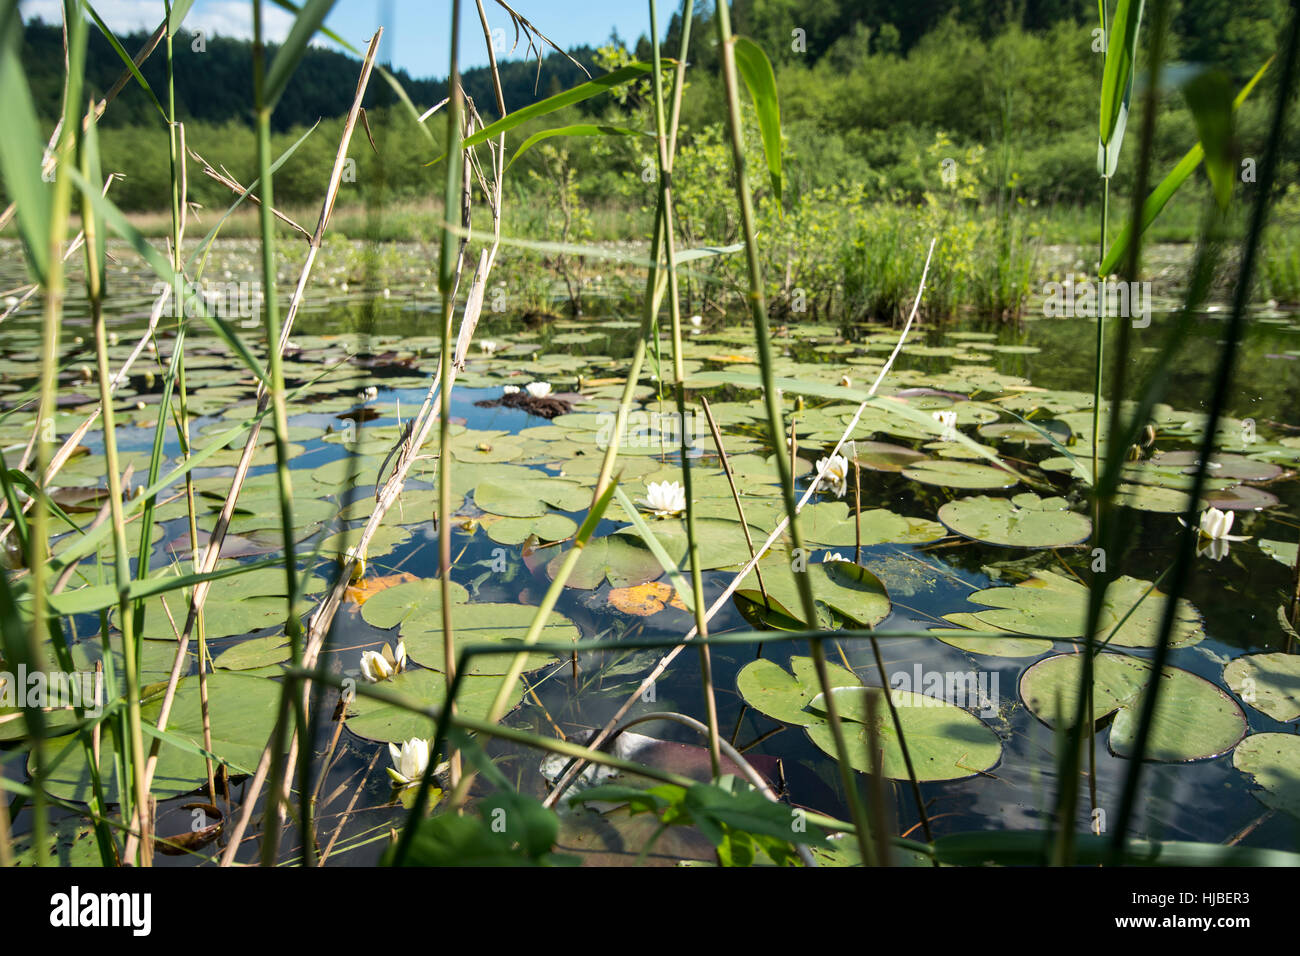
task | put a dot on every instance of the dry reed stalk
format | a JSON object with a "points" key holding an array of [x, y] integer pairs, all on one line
{"points": [[212, 550], [567, 777]]}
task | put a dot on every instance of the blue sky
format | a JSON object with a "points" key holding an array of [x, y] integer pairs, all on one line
{"points": [[415, 30]]}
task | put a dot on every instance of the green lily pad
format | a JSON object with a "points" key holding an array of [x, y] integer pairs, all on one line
{"points": [[844, 593], [959, 474], [1273, 760], [1169, 501], [513, 498], [1268, 682], [885, 456], [617, 558], [830, 524], [414, 599], [1281, 551], [1009, 646], [254, 653], [485, 624], [386, 539], [944, 741], [243, 710], [388, 723], [547, 527], [1053, 605], [1194, 719], [1025, 521]]}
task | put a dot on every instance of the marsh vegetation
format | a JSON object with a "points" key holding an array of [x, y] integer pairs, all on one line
{"points": [[658, 486]]}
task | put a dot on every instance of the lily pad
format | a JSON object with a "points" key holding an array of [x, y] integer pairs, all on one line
{"points": [[547, 527], [1025, 521], [530, 497], [1053, 605], [1194, 720], [419, 599], [829, 523], [1268, 682], [484, 624], [387, 723], [616, 558], [243, 710], [1009, 646], [944, 741], [1281, 551], [844, 593], [884, 456], [959, 474], [1273, 760]]}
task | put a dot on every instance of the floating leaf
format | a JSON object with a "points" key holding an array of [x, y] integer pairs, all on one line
{"points": [[959, 474], [1268, 682], [830, 524], [1273, 760], [422, 599], [1025, 521], [243, 710], [615, 558], [1009, 646], [944, 741], [365, 589], [843, 592], [643, 600], [377, 720], [1056, 606], [1194, 719], [483, 624]]}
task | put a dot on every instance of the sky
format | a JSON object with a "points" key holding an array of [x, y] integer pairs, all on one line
{"points": [[415, 31]]}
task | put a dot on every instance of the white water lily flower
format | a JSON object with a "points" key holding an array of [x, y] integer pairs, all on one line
{"points": [[834, 473], [947, 419], [833, 556], [665, 498], [410, 762], [697, 320], [372, 392], [376, 666], [511, 390], [1214, 539], [1216, 524], [488, 346], [538, 389]]}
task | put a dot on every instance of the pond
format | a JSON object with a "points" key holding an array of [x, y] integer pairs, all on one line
{"points": [[959, 543]]}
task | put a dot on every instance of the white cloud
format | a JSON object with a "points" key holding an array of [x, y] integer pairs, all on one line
{"points": [[229, 18]]}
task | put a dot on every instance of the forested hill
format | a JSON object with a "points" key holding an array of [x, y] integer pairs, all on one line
{"points": [[215, 84]]}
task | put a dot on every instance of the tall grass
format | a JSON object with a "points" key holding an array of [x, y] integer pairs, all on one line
{"points": [[885, 261]]}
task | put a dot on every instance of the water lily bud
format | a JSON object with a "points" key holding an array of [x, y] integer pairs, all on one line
{"points": [[1134, 453], [1148, 436]]}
